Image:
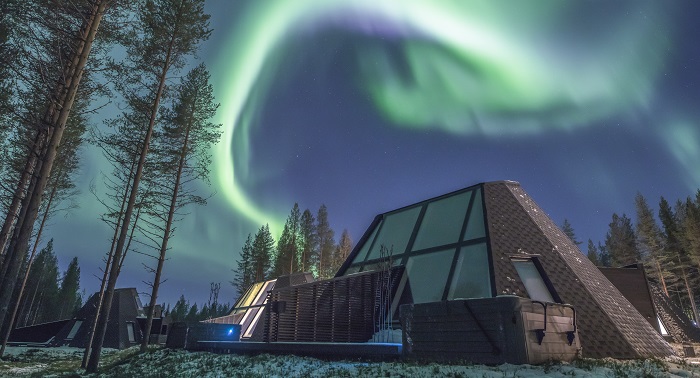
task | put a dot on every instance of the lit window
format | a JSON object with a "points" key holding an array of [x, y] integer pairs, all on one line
{"points": [[663, 330]]}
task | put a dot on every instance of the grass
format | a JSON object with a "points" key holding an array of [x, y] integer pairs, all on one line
{"points": [[157, 362]]}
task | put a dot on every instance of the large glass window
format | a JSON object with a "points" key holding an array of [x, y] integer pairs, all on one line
{"points": [[249, 295], [475, 225], [427, 275], [360, 257], [471, 278], [395, 232], [442, 222]]}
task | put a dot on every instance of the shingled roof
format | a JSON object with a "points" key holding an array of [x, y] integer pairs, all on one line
{"points": [[463, 244], [609, 326]]}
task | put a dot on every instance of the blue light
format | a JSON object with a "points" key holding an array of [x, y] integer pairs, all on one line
{"points": [[230, 332]]}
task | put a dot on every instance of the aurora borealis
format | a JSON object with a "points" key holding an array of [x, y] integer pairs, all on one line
{"points": [[467, 69], [370, 105]]}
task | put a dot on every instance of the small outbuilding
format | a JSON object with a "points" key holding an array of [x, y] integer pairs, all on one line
{"points": [[124, 329]]}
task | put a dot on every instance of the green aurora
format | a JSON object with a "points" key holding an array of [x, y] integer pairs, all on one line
{"points": [[490, 68]]}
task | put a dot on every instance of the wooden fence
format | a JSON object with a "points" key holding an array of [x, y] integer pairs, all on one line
{"points": [[344, 309]]}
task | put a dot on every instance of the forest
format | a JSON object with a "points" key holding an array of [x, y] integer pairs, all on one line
{"points": [[307, 244], [665, 240], [61, 61]]}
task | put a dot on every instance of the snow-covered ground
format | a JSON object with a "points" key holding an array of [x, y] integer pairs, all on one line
{"points": [[28, 362]]}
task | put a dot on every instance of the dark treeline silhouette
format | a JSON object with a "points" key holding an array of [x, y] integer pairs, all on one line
{"points": [[182, 311], [665, 240], [50, 294], [307, 244]]}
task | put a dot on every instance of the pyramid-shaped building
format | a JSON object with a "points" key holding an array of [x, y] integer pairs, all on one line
{"points": [[490, 240]]}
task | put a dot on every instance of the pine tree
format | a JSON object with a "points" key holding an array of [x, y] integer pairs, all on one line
{"points": [[169, 31], [309, 240], [42, 289], [342, 250], [263, 250], [326, 244], [10, 11], [649, 241], [282, 253], [180, 310], [222, 309], [184, 155], [620, 242], [593, 253], [691, 228], [204, 313], [60, 188], [69, 294], [678, 256], [604, 255], [69, 31], [245, 275], [289, 245], [192, 314], [569, 231]]}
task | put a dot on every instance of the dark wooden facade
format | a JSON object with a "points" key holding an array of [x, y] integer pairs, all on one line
{"points": [[344, 309], [498, 330], [632, 283]]}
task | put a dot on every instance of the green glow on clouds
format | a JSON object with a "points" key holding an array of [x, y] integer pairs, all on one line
{"points": [[478, 67], [683, 140]]}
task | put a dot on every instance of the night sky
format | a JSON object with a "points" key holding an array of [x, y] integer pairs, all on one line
{"points": [[371, 105]]}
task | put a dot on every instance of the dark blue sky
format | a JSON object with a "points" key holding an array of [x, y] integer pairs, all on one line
{"points": [[367, 106]]}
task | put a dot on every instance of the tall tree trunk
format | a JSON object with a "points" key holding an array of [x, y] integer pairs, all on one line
{"points": [[28, 316], [11, 322], [691, 297], [25, 177], [303, 259], [661, 276], [12, 252], [51, 117], [110, 255], [131, 238], [87, 37], [164, 244], [320, 264], [94, 360]]}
